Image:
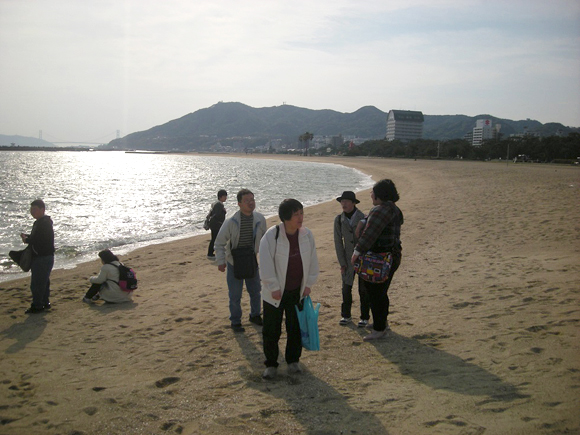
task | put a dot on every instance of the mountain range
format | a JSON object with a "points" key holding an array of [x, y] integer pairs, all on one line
{"points": [[244, 126], [25, 141], [248, 126]]}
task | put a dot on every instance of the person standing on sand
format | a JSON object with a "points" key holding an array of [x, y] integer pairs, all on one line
{"points": [[382, 233], [41, 239], [217, 217], [244, 229], [289, 269], [344, 243]]}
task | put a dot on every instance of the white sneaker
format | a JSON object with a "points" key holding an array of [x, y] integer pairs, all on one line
{"points": [[270, 373], [363, 323], [294, 368], [345, 320], [375, 335], [87, 300]]}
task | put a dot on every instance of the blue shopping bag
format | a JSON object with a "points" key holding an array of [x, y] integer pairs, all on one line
{"points": [[308, 319]]}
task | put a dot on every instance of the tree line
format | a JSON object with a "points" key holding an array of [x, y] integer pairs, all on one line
{"points": [[541, 149]]}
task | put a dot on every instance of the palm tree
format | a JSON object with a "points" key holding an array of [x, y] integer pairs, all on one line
{"points": [[306, 138]]}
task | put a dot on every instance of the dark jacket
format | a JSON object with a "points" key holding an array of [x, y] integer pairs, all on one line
{"points": [[383, 230], [42, 237], [217, 215]]}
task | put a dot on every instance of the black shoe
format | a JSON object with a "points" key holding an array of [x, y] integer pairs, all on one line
{"points": [[34, 310], [257, 320], [238, 328], [48, 306]]}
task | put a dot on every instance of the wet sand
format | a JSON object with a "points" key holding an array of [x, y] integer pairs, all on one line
{"points": [[485, 320]]}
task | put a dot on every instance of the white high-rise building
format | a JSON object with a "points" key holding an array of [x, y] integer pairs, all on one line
{"points": [[484, 130], [404, 125]]}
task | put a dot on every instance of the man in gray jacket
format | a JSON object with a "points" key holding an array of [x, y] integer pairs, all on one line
{"points": [[244, 229], [344, 242]]}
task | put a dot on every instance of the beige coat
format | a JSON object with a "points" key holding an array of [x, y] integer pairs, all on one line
{"points": [[110, 290]]}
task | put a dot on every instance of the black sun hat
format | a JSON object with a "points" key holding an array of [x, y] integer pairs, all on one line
{"points": [[347, 194]]}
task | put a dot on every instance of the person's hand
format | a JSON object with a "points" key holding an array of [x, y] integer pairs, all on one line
{"points": [[277, 295], [306, 291], [354, 258], [342, 270], [23, 237], [222, 267]]}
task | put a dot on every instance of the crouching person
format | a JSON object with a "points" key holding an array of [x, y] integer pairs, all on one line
{"points": [[105, 285]]}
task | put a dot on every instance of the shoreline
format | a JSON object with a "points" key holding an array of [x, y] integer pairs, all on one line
{"points": [[484, 316], [87, 257]]}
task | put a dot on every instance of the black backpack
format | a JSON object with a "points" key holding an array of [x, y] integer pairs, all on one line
{"points": [[127, 278]]}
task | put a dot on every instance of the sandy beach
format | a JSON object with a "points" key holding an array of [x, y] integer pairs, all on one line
{"points": [[485, 320]]}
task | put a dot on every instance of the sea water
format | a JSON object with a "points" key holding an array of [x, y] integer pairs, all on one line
{"points": [[123, 201]]}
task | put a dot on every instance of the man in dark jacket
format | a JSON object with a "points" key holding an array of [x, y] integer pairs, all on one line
{"points": [[217, 216], [41, 239]]}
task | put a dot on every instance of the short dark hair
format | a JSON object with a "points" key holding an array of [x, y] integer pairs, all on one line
{"points": [[287, 208], [242, 193], [385, 190], [221, 193], [107, 256], [38, 203]]}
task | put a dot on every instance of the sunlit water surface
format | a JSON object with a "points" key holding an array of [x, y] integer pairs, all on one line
{"points": [[123, 201]]}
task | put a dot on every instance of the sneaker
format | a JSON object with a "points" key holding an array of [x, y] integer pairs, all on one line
{"points": [[257, 320], [370, 326], [47, 306], [34, 310], [363, 323], [96, 297], [238, 328], [270, 373], [345, 320], [375, 335], [87, 300], [294, 368]]}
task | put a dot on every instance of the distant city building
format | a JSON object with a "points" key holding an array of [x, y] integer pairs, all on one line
{"points": [[337, 141], [404, 125], [484, 130], [532, 133]]}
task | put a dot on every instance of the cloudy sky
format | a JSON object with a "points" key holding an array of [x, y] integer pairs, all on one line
{"points": [[81, 70]]}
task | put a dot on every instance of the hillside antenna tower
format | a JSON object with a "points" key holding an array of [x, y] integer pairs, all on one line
{"points": [[118, 134], [40, 134]]}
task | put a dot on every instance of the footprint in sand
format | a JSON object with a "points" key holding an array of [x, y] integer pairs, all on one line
{"points": [[166, 381], [91, 410]]}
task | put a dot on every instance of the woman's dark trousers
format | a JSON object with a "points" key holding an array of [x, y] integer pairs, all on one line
{"points": [[93, 290], [378, 297], [272, 329]]}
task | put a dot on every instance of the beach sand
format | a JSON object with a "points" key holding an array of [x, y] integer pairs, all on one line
{"points": [[485, 320]]}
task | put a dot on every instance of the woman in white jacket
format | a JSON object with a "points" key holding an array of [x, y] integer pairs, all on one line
{"points": [[106, 283], [288, 270]]}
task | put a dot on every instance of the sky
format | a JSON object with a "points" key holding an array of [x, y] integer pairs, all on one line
{"points": [[83, 70]]}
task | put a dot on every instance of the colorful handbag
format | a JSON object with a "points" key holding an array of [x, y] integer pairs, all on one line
{"points": [[374, 267]]}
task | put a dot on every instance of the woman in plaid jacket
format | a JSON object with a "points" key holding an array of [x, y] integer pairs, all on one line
{"points": [[382, 233]]}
